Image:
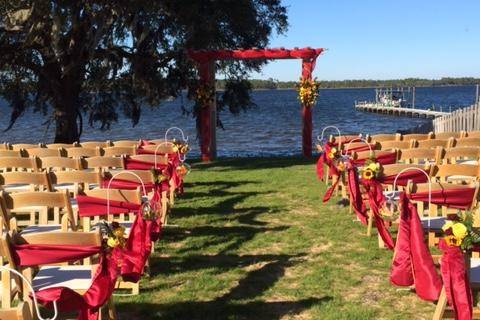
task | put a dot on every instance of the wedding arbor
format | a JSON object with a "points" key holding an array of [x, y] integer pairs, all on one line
{"points": [[206, 66]]}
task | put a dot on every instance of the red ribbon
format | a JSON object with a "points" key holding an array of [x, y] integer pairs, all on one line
{"points": [[455, 281], [28, 255], [376, 199], [355, 194], [92, 207], [96, 296], [461, 198], [414, 175], [413, 264]]}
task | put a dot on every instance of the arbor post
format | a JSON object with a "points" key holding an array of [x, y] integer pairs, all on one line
{"points": [[208, 115], [307, 69]]}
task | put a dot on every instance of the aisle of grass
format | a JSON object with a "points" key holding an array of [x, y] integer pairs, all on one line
{"points": [[252, 240]]}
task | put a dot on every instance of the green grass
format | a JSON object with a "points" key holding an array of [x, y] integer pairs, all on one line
{"points": [[252, 240]]}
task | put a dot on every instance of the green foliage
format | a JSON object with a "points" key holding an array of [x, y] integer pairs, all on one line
{"points": [[70, 59], [410, 82]]}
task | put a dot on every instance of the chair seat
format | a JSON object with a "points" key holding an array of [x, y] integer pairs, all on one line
{"points": [[475, 271], [472, 162], [41, 229], [17, 188], [78, 278], [436, 223]]}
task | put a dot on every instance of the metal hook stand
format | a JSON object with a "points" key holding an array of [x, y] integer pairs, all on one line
{"points": [[184, 138], [320, 138], [35, 303], [392, 195], [359, 139]]}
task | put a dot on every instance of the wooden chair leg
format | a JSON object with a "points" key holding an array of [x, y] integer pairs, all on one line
{"points": [[431, 239], [112, 311], [370, 224], [381, 244], [441, 306]]}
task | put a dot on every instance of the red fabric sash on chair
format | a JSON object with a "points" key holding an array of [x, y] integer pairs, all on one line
{"points": [[91, 206], [142, 233], [134, 164], [68, 300], [355, 194], [414, 175], [452, 198], [376, 199], [360, 148], [412, 263], [383, 159], [324, 160], [455, 281]]}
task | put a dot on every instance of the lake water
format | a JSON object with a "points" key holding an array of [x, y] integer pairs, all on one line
{"points": [[272, 128]]}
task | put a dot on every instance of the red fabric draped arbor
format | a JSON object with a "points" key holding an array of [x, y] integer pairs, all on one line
{"points": [[206, 66]]}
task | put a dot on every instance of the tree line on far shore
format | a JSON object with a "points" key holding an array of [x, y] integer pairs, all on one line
{"points": [[364, 83]]}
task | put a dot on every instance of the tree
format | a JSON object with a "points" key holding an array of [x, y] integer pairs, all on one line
{"points": [[71, 59]]}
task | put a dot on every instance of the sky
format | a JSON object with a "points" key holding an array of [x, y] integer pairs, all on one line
{"points": [[381, 39]]}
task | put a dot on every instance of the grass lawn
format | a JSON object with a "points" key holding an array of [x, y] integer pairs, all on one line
{"points": [[251, 239]]}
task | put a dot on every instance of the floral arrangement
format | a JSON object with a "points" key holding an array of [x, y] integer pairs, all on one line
{"points": [[460, 232], [183, 169], [113, 235], [308, 91], [149, 211], [333, 154], [371, 170], [181, 147], [159, 176], [204, 94]]}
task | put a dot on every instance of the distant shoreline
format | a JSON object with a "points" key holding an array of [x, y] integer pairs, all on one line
{"points": [[367, 87]]}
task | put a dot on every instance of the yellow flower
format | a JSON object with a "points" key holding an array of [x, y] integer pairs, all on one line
{"points": [[331, 155], [113, 243], [341, 166], [459, 230], [448, 224], [367, 174], [372, 166], [119, 232], [334, 150], [453, 241], [175, 149]]}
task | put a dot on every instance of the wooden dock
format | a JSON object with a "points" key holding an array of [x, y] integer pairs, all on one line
{"points": [[398, 111]]}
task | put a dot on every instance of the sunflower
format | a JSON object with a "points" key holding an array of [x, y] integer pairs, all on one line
{"points": [[368, 174], [459, 231], [453, 241]]}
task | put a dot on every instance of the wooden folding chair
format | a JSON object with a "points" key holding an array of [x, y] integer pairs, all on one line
{"points": [[164, 148], [420, 156], [448, 135], [8, 164], [60, 164], [467, 142], [12, 153], [82, 152], [456, 173], [461, 155], [103, 163], [147, 177], [73, 181], [54, 210], [56, 146], [389, 145], [44, 152], [120, 151], [417, 136], [385, 137], [126, 143], [126, 220], [77, 277], [24, 181], [96, 144], [20, 312], [20, 146], [434, 216], [433, 143]]}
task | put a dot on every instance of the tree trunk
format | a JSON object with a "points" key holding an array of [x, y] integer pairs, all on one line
{"points": [[66, 110]]}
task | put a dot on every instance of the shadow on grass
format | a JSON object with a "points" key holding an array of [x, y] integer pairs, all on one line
{"points": [[230, 238], [254, 163], [241, 302], [218, 310]]}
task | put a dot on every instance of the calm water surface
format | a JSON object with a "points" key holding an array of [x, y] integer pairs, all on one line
{"points": [[272, 128]]}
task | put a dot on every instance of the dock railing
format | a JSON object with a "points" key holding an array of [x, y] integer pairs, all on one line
{"points": [[465, 119]]}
